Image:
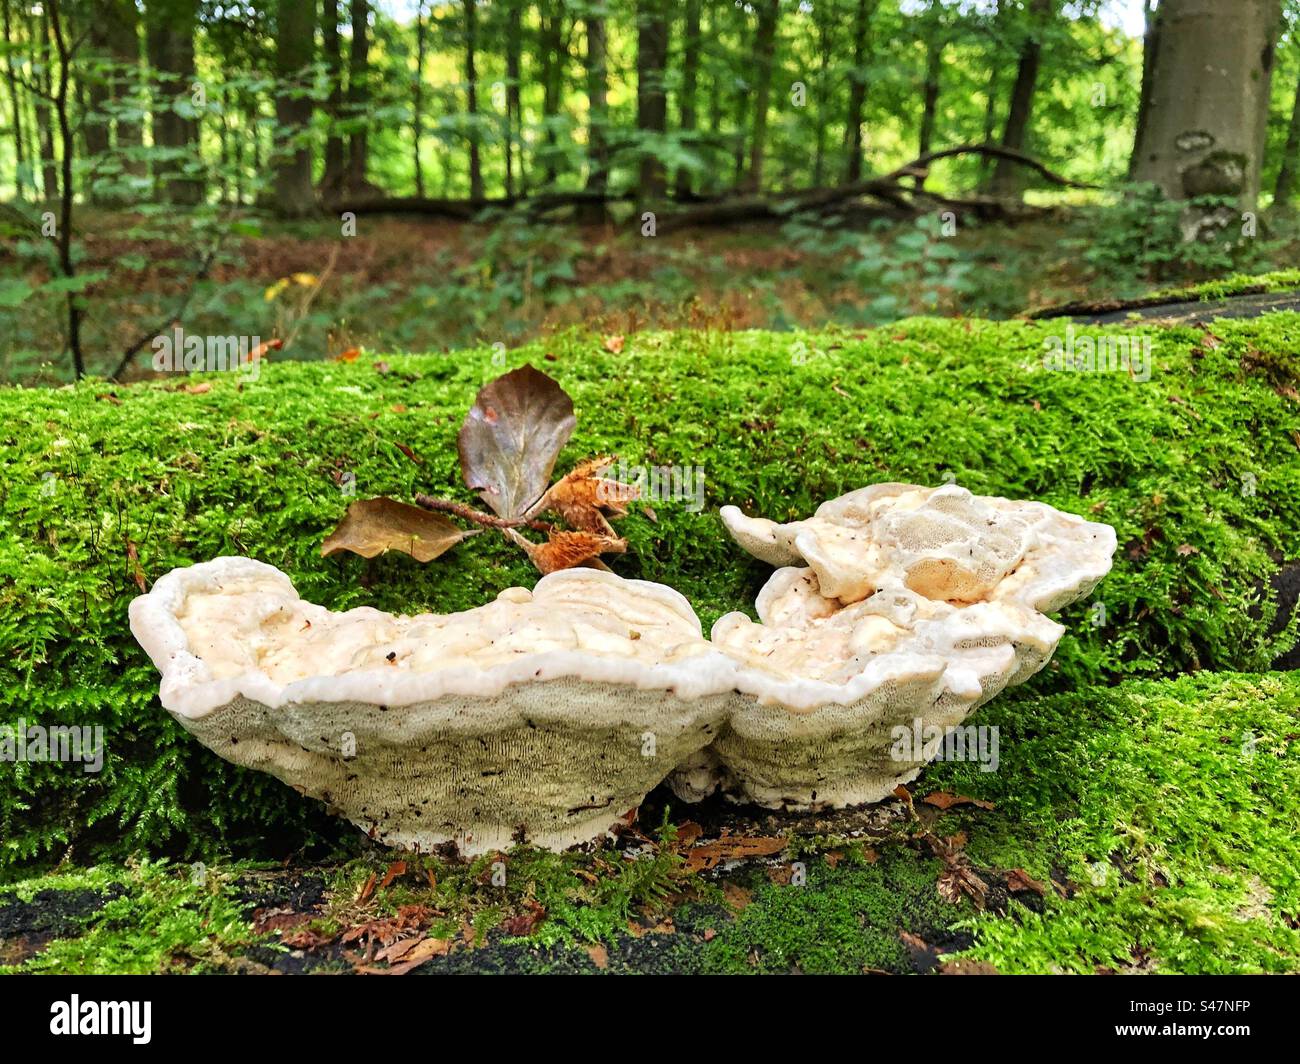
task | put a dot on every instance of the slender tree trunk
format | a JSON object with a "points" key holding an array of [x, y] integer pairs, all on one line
{"points": [[471, 100], [417, 102], [651, 99], [11, 76], [857, 91], [1208, 105], [96, 84], [514, 110], [295, 48], [40, 35], [1286, 174], [598, 115], [765, 56], [358, 96], [824, 54], [1006, 175], [935, 43], [332, 176], [171, 25], [63, 49], [554, 60], [690, 84]]}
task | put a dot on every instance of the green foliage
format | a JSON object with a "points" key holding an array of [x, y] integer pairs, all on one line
{"points": [[1197, 469]]}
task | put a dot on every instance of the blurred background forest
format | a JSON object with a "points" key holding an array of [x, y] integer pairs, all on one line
{"points": [[348, 178]]}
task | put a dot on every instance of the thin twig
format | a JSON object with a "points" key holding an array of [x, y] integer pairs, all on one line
{"points": [[468, 513]]}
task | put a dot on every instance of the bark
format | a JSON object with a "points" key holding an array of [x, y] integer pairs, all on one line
{"points": [[295, 48], [554, 57], [598, 115], [934, 48], [765, 56], [857, 90], [332, 53], [651, 99], [514, 110], [471, 100], [358, 96], [825, 24], [417, 101], [1150, 48], [1208, 105], [40, 36], [170, 28], [687, 117], [128, 87], [63, 55], [1006, 179]]}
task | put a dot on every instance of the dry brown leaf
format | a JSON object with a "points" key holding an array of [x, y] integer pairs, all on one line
{"points": [[585, 500], [565, 550], [396, 869], [614, 345], [728, 848], [367, 889], [1019, 881], [525, 923], [374, 526], [599, 956], [426, 950], [946, 800], [350, 355], [511, 437], [198, 389], [738, 899]]}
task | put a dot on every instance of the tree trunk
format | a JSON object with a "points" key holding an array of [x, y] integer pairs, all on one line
{"points": [[170, 44], [1285, 186], [1006, 175], [554, 59], [597, 116], [1150, 47], [40, 36], [934, 47], [11, 76], [514, 112], [295, 50], [96, 82], [417, 101], [765, 55], [690, 83], [471, 100], [857, 91], [332, 176], [128, 85], [358, 97], [1208, 105], [651, 100], [825, 50]]}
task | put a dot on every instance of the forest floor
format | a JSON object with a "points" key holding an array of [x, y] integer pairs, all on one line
{"points": [[418, 284]]}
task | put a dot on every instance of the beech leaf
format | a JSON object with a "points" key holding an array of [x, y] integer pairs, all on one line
{"points": [[373, 526], [511, 438]]}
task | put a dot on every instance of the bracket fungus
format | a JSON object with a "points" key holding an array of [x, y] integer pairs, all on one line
{"points": [[547, 715], [914, 606], [544, 716]]}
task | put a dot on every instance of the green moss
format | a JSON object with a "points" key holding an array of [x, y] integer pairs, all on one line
{"points": [[250, 467], [1172, 809], [169, 919], [1236, 285]]}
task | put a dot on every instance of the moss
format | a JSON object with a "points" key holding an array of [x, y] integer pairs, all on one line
{"points": [[1236, 285], [96, 474]]}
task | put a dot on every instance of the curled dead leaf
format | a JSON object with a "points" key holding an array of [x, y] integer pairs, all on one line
{"points": [[585, 499], [565, 550]]}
